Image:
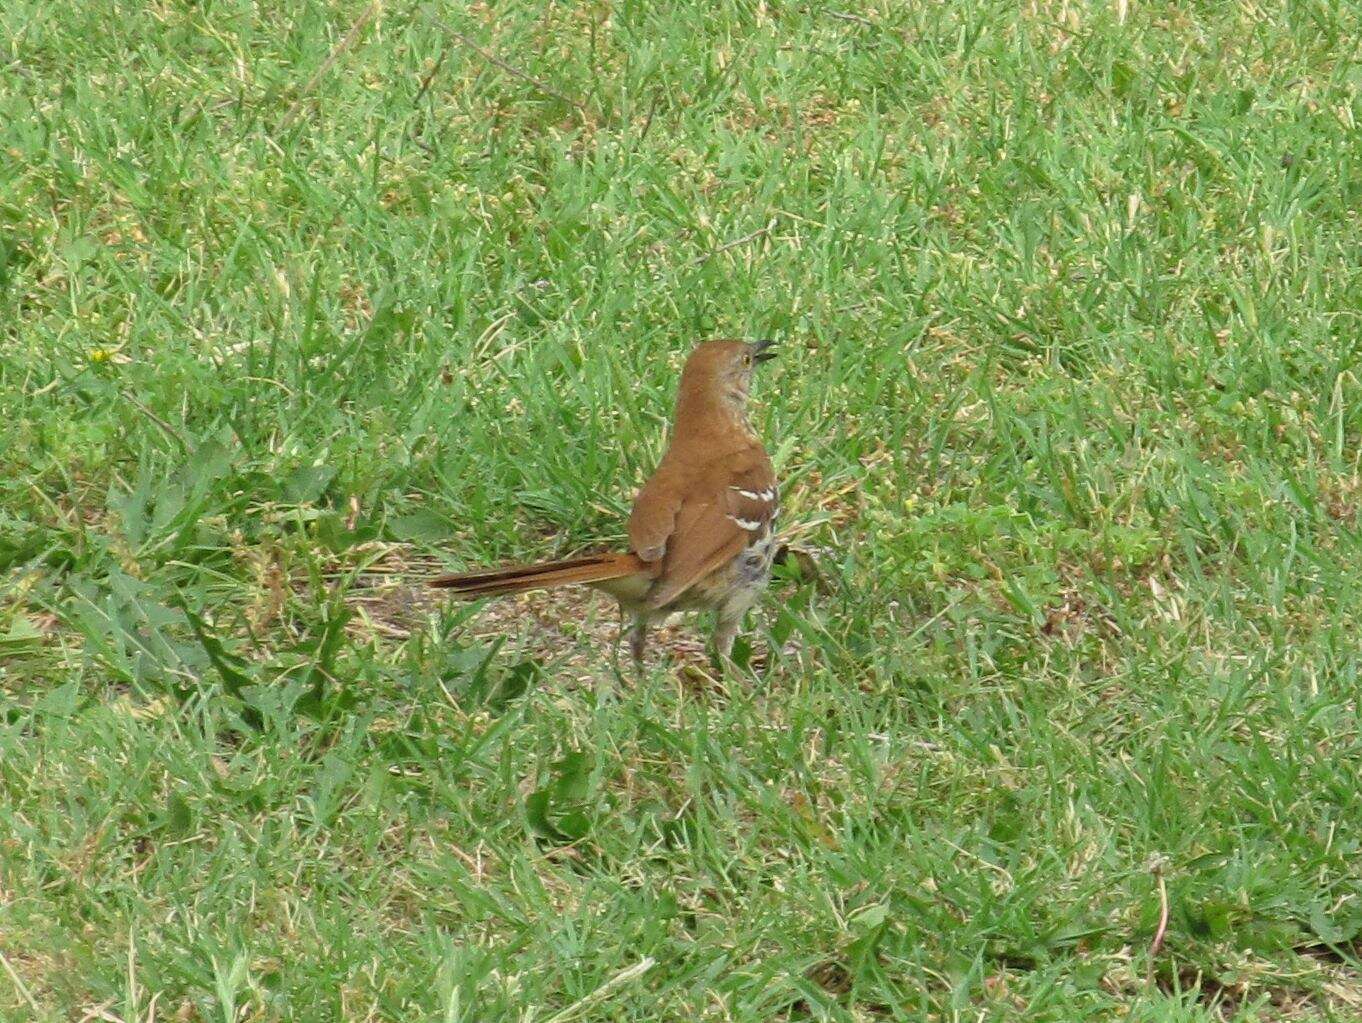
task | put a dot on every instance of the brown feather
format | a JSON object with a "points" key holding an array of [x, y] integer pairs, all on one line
{"points": [[706, 534], [594, 568]]}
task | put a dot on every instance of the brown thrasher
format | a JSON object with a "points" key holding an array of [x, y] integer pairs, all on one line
{"points": [[700, 532]]}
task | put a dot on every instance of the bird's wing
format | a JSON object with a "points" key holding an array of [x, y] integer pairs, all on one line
{"points": [[728, 507], [653, 518]]}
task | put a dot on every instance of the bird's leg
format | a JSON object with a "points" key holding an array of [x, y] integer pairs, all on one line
{"points": [[638, 637], [615, 650], [727, 622], [638, 641]]}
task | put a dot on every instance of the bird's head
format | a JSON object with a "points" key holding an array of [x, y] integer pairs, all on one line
{"points": [[720, 372]]}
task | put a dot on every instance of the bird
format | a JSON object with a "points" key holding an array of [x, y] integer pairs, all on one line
{"points": [[702, 528]]}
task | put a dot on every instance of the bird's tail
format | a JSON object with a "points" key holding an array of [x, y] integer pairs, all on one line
{"points": [[591, 568]]}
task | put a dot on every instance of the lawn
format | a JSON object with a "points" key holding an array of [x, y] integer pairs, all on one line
{"points": [[301, 303]]}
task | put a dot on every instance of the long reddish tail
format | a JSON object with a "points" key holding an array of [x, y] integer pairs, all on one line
{"points": [[593, 568]]}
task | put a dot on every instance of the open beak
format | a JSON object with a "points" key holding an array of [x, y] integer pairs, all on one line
{"points": [[763, 351]]}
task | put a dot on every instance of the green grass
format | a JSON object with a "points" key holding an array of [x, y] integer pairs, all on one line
{"points": [[1070, 395]]}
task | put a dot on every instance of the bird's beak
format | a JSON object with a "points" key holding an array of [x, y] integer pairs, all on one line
{"points": [[763, 351]]}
